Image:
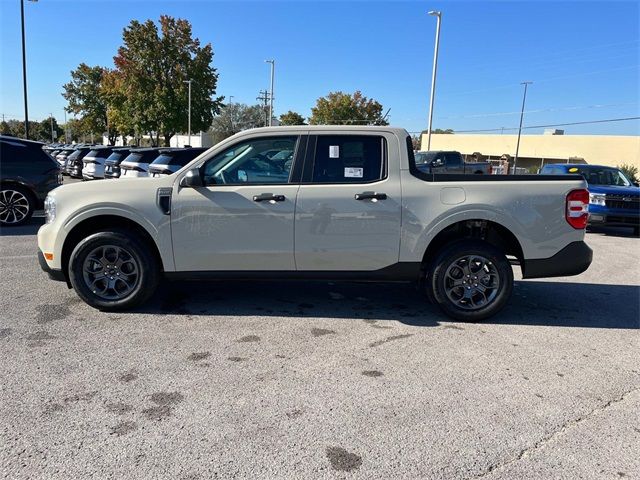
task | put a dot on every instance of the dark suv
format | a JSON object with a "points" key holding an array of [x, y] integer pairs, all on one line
{"points": [[27, 174], [113, 161]]}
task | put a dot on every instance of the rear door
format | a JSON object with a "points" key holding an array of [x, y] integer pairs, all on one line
{"points": [[348, 209]]}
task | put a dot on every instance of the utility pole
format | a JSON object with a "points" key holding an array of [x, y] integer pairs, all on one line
{"points": [[273, 68], [51, 119], [264, 98], [24, 73], [189, 82], [524, 99], [438, 15]]}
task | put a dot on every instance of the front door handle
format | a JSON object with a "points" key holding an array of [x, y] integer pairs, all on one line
{"points": [[370, 196], [268, 197]]}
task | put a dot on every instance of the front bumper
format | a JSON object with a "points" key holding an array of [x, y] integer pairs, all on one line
{"points": [[53, 274], [573, 259], [620, 217]]}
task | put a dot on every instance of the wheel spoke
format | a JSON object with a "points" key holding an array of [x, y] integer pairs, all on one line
{"points": [[471, 282], [111, 272]]}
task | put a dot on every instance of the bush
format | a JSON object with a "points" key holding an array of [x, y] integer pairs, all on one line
{"points": [[631, 171]]}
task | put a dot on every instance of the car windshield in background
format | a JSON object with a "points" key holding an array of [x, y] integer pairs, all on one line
{"points": [[116, 156], [424, 157], [602, 176]]}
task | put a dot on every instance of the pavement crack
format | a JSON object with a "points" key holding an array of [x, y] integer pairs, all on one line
{"points": [[570, 424]]}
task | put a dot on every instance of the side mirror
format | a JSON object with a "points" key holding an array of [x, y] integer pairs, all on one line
{"points": [[192, 179]]}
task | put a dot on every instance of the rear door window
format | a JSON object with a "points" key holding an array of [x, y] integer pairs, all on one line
{"points": [[349, 159]]}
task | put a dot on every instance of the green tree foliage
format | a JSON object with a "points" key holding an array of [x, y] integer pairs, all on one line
{"points": [[42, 130], [439, 131], [154, 64], [86, 98], [340, 108], [631, 171], [234, 118], [291, 118]]}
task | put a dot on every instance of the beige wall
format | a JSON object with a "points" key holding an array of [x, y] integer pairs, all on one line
{"points": [[595, 149]]}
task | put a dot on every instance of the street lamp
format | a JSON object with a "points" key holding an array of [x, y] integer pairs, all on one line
{"points": [[273, 67], [438, 16], [24, 72], [524, 98], [189, 82]]}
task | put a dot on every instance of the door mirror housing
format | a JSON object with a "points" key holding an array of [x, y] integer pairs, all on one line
{"points": [[192, 179]]}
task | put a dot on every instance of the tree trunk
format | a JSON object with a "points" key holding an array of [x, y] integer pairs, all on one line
{"points": [[167, 139]]}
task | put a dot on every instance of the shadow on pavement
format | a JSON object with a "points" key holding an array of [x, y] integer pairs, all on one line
{"points": [[558, 304], [626, 232], [30, 228]]}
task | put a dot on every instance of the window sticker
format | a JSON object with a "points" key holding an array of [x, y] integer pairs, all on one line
{"points": [[242, 176], [334, 151], [353, 172], [573, 169]]}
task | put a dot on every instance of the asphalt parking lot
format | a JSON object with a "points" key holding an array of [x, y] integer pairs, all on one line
{"points": [[320, 380]]}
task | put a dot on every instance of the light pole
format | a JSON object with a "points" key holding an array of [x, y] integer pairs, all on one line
{"points": [[51, 119], [524, 98], [438, 16], [273, 67], [24, 72], [189, 82]]}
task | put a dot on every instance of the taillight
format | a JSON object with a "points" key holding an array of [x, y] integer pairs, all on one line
{"points": [[577, 210]]}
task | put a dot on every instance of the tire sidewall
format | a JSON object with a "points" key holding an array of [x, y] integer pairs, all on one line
{"points": [[147, 267], [30, 198], [471, 247]]}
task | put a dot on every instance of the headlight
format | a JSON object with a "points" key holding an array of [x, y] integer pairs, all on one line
{"points": [[50, 208], [597, 199]]}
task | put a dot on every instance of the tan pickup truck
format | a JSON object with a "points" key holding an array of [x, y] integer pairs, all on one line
{"points": [[338, 203]]}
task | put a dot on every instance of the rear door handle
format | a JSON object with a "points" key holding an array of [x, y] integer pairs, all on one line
{"points": [[370, 196], [268, 197]]}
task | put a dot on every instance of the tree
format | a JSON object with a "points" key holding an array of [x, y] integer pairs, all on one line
{"points": [[439, 131], [631, 171], [234, 118], [86, 98], [155, 64], [340, 108], [42, 130], [291, 118]]}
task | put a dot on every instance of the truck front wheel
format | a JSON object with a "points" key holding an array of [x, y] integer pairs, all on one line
{"points": [[113, 270], [470, 280]]}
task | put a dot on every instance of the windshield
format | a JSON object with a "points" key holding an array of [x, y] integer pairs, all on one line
{"points": [[425, 157], [602, 176]]}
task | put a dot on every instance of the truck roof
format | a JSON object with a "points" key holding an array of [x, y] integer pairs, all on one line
{"points": [[330, 128]]}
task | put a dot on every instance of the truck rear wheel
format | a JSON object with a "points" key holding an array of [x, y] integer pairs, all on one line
{"points": [[470, 280], [113, 270]]}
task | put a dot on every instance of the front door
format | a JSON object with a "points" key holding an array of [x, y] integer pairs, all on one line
{"points": [[242, 218], [349, 204]]}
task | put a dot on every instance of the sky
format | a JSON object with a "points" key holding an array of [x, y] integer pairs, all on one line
{"points": [[583, 57]]}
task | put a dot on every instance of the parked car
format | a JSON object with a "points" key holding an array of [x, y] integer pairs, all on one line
{"points": [[93, 162], [352, 206], [614, 200], [137, 162], [449, 162], [27, 175], [73, 164], [61, 158], [113, 161], [171, 160]]}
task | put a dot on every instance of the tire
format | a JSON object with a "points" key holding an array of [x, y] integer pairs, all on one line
{"points": [[476, 267], [16, 205], [113, 270]]}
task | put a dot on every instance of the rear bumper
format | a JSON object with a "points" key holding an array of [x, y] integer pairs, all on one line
{"points": [[53, 274], [573, 259]]}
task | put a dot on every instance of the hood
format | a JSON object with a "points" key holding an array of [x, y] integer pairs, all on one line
{"points": [[631, 190], [113, 189]]}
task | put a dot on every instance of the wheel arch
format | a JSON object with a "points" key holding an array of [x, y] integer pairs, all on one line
{"points": [[479, 229], [104, 222]]}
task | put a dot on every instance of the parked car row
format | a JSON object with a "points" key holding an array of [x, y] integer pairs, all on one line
{"points": [[91, 162]]}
